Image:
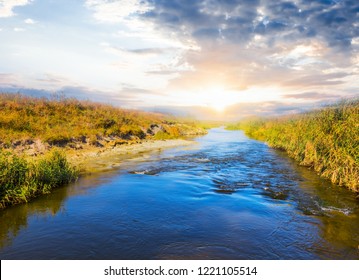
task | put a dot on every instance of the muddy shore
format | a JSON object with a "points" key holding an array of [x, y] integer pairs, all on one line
{"points": [[96, 159]]}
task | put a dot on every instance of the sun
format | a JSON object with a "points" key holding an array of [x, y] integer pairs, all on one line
{"points": [[217, 98], [218, 106], [220, 99]]}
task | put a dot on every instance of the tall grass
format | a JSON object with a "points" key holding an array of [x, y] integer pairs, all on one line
{"points": [[326, 140], [22, 179]]}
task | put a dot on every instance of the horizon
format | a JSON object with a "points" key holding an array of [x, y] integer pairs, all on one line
{"points": [[210, 59]]}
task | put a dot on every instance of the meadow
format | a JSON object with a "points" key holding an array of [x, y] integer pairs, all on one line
{"points": [[326, 139]]}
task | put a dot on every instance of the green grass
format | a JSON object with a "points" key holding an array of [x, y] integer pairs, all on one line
{"points": [[22, 179], [326, 139]]}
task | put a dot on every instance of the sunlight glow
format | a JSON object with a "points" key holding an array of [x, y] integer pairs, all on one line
{"points": [[218, 98]]}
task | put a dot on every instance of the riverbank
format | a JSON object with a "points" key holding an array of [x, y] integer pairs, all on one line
{"points": [[139, 210], [326, 140], [95, 160], [26, 177], [46, 143]]}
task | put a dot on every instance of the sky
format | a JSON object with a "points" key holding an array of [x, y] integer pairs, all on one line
{"points": [[224, 59]]}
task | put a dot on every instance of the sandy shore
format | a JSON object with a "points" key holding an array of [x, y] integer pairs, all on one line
{"points": [[91, 160]]}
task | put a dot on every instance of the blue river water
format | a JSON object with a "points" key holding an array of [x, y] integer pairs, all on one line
{"points": [[224, 197]]}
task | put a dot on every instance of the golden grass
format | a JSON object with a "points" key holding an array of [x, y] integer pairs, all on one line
{"points": [[59, 120]]}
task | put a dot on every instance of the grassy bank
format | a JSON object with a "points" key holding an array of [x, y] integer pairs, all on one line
{"points": [[38, 136], [60, 121], [326, 140]]}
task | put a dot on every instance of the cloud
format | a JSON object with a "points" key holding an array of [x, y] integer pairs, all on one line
{"points": [[7, 6], [29, 21], [19, 29], [150, 51], [116, 11], [196, 112], [127, 89], [274, 108], [244, 43], [318, 79], [312, 96], [8, 79], [138, 52], [162, 72], [204, 50], [53, 81]]}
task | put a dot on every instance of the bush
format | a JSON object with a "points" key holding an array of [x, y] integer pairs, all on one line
{"points": [[54, 171]]}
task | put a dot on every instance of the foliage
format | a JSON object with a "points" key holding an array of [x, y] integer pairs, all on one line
{"points": [[326, 140]]}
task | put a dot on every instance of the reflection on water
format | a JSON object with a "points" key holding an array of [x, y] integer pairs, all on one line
{"points": [[15, 220], [227, 197]]}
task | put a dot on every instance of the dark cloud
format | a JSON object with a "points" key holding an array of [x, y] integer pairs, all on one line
{"points": [[248, 42], [238, 20]]}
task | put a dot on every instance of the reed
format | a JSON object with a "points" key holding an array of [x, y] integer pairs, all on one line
{"points": [[23, 178], [326, 139]]}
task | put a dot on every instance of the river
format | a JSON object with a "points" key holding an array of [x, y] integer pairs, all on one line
{"points": [[225, 197]]}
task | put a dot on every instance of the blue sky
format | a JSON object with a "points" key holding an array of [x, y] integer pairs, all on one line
{"points": [[228, 58]]}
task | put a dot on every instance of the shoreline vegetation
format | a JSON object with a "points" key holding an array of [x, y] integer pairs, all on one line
{"points": [[46, 143], [326, 140]]}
